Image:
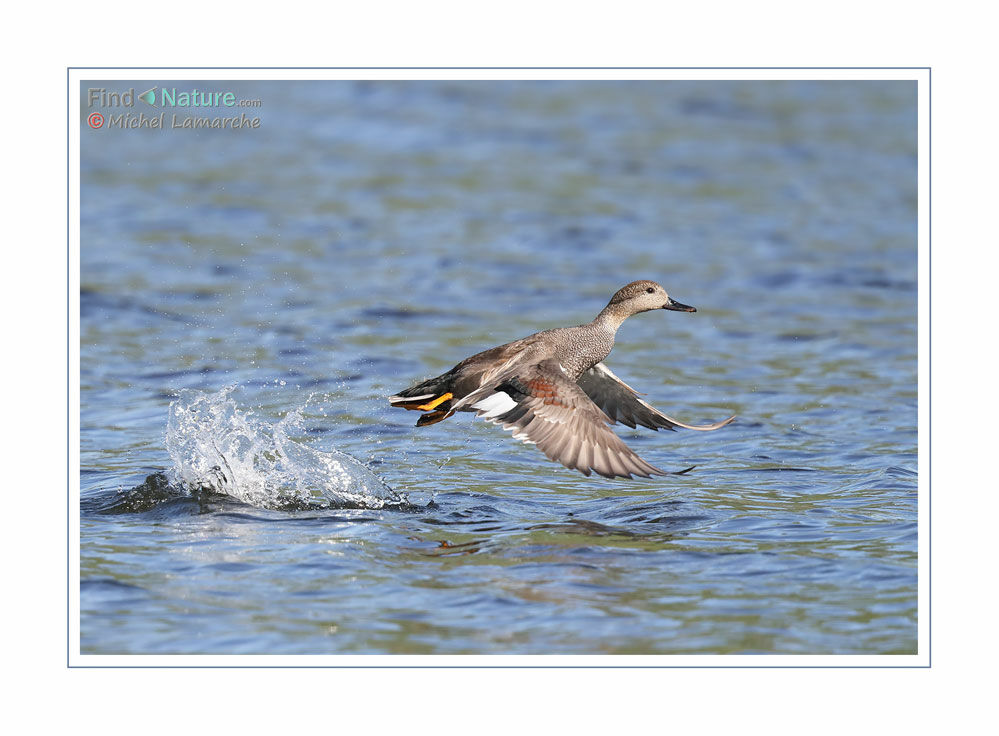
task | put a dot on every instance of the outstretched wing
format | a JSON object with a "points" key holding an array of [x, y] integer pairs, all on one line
{"points": [[543, 406], [621, 403]]}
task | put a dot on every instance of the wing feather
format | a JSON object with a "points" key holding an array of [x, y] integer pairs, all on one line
{"points": [[556, 414], [620, 403]]}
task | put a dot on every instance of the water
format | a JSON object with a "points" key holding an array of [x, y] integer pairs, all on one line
{"points": [[249, 299]]}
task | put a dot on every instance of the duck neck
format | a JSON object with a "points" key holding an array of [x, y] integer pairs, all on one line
{"points": [[611, 318]]}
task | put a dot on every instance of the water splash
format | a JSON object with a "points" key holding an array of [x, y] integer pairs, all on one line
{"points": [[216, 445]]}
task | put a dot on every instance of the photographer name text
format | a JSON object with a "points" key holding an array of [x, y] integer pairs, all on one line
{"points": [[141, 120]]}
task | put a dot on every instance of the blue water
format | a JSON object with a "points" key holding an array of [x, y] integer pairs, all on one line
{"points": [[284, 281]]}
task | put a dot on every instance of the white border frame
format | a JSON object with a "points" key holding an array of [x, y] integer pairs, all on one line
{"points": [[75, 75]]}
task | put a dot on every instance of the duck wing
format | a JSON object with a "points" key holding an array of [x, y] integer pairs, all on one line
{"points": [[541, 405], [621, 403]]}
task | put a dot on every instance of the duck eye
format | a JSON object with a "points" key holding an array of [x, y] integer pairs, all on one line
{"points": [[651, 290]]}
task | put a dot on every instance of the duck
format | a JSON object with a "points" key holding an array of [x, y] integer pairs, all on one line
{"points": [[553, 390]]}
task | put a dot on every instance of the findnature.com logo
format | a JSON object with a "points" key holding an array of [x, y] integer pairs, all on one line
{"points": [[165, 98]]}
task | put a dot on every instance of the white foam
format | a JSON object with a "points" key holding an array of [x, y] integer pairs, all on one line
{"points": [[215, 444]]}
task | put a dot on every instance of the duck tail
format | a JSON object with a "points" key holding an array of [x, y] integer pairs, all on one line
{"points": [[433, 417], [432, 394]]}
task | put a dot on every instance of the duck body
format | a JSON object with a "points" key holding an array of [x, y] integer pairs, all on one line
{"points": [[553, 390]]}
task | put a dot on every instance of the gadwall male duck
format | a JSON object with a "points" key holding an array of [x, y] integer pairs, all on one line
{"points": [[552, 390]]}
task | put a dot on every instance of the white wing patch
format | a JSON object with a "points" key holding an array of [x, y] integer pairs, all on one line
{"points": [[494, 405]]}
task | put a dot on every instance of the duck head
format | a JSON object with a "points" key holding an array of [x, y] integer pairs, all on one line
{"points": [[644, 296]]}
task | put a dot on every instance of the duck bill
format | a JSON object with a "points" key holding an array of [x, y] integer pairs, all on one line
{"points": [[675, 306]]}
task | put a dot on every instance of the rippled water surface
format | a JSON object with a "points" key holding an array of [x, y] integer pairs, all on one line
{"points": [[249, 299]]}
